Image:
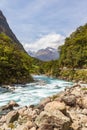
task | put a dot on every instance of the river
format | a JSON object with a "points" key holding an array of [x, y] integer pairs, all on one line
{"points": [[32, 93]]}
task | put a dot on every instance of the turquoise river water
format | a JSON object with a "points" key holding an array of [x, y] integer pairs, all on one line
{"points": [[32, 93]]}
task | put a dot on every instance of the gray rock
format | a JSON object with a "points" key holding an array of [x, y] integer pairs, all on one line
{"points": [[69, 100]]}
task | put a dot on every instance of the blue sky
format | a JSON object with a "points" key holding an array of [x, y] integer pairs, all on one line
{"points": [[42, 23]]}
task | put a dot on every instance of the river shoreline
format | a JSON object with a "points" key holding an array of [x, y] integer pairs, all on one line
{"points": [[33, 92], [66, 110], [69, 80]]}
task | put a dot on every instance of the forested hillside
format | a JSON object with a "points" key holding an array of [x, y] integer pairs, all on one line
{"points": [[15, 64], [74, 51], [72, 63]]}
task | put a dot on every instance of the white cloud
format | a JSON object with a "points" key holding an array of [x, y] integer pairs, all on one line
{"points": [[50, 40]]}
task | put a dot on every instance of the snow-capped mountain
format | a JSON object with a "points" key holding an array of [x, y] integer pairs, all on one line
{"points": [[45, 54]]}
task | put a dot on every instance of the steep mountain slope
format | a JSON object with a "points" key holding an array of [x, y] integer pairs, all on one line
{"points": [[47, 54], [15, 63], [4, 28], [74, 51]]}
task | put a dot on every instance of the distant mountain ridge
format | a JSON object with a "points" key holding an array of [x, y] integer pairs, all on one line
{"points": [[4, 28], [46, 54]]}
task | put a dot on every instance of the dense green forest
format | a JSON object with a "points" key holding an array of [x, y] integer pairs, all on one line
{"points": [[74, 51], [15, 64], [72, 63]]}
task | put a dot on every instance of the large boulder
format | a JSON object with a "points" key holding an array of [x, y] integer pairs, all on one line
{"points": [[13, 103], [55, 119], [7, 108], [32, 113], [84, 102], [55, 105], [21, 110], [76, 90], [12, 116], [69, 100], [79, 120]]}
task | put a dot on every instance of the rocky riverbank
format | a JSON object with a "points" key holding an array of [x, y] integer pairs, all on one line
{"points": [[64, 111]]}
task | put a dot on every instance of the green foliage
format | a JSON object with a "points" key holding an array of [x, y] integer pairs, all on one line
{"points": [[77, 75], [36, 66], [85, 89], [72, 63], [81, 75], [51, 68], [74, 51], [14, 63]]}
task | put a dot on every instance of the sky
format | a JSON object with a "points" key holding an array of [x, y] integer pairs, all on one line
{"points": [[44, 23]]}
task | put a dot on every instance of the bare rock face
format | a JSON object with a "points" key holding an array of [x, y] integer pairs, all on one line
{"points": [[4, 28]]}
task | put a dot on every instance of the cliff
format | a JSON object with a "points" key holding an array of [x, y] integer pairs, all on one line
{"points": [[4, 28]]}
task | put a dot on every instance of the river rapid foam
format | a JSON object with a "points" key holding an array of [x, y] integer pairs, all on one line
{"points": [[32, 93]]}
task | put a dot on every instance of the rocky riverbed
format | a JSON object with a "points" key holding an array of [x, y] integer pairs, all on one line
{"points": [[66, 110]]}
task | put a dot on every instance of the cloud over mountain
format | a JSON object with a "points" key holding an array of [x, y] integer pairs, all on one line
{"points": [[51, 40]]}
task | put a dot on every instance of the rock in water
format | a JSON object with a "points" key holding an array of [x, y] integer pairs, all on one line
{"points": [[7, 108], [13, 103]]}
